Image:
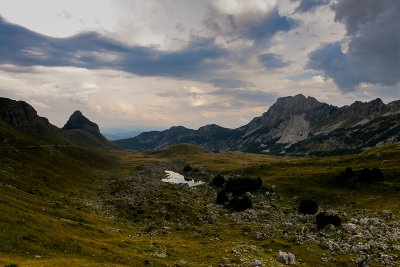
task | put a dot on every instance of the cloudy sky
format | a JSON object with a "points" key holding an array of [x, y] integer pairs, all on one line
{"points": [[158, 63]]}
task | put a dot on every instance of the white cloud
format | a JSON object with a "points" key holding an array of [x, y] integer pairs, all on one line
{"points": [[60, 19]]}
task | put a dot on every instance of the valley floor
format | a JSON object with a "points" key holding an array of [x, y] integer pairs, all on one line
{"points": [[63, 206]]}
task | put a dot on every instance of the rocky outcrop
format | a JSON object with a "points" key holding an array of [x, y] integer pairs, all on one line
{"points": [[294, 125], [78, 121], [21, 116], [34, 129]]}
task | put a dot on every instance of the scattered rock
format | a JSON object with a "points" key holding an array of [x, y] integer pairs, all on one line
{"points": [[259, 236], [160, 254], [113, 229], [256, 262], [286, 258]]}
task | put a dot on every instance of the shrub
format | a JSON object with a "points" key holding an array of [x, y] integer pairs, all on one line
{"points": [[323, 219], [218, 180], [222, 197], [348, 172], [366, 176], [370, 176], [345, 176], [308, 207], [239, 186], [187, 168], [259, 183], [240, 204]]}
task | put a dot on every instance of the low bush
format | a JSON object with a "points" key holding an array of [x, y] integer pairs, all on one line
{"points": [[187, 168], [366, 176], [218, 180], [222, 197], [308, 207], [323, 219], [370, 176], [345, 177], [239, 186], [240, 204]]}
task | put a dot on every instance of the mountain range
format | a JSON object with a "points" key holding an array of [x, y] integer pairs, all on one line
{"points": [[294, 125]]}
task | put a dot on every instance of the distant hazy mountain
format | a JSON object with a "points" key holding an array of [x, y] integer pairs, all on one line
{"points": [[121, 135], [295, 125], [20, 125]]}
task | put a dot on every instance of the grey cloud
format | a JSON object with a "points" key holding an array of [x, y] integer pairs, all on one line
{"points": [[373, 54], [272, 61], [266, 26], [257, 26], [20, 46], [309, 5], [255, 96], [330, 59], [229, 83], [356, 15]]}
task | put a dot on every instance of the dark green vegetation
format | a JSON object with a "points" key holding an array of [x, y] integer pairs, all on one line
{"points": [[308, 207], [324, 219], [240, 203], [239, 186], [218, 180], [364, 176], [79, 206]]}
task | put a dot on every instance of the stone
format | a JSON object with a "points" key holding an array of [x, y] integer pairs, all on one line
{"points": [[286, 258]]}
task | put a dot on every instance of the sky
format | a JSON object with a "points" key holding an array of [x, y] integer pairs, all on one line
{"points": [[153, 64]]}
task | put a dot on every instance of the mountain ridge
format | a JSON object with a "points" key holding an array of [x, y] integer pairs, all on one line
{"points": [[291, 121], [20, 124]]}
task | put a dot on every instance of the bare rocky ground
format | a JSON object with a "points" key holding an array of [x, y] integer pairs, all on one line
{"points": [[159, 209]]}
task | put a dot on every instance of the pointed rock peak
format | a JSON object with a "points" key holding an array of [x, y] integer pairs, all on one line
{"points": [[78, 121], [77, 113]]}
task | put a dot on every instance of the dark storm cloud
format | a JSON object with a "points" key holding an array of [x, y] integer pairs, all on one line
{"points": [[256, 26], [20, 46], [335, 64], [272, 61], [229, 83], [373, 54], [266, 26], [309, 5]]}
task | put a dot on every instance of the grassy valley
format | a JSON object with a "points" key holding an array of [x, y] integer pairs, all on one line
{"points": [[65, 205]]}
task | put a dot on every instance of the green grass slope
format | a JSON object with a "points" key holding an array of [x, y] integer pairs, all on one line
{"points": [[70, 205]]}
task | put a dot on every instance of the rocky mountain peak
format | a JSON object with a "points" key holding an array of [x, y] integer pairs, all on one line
{"points": [[366, 110], [20, 115], [78, 121], [293, 105], [210, 128]]}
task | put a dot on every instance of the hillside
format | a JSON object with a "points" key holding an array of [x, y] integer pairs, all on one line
{"points": [[82, 205], [70, 205], [20, 124], [296, 125]]}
